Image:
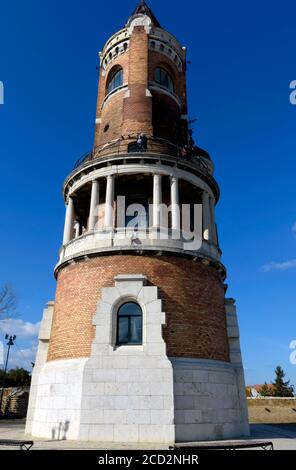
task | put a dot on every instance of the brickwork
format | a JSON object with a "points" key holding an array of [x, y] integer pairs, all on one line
{"points": [[160, 60], [192, 295], [132, 111], [110, 114], [137, 111], [111, 125]]}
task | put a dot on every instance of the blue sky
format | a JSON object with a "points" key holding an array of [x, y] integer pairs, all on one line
{"points": [[242, 58]]}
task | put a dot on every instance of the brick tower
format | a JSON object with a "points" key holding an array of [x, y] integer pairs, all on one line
{"points": [[141, 344]]}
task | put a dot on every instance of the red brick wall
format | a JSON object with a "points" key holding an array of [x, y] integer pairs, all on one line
{"points": [[137, 110], [166, 117], [111, 117], [156, 59], [192, 295], [130, 115], [110, 113]]}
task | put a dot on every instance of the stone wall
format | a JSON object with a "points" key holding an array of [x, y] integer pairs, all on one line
{"points": [[271, 410], [208, 403]]}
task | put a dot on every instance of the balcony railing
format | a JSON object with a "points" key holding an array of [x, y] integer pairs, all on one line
{"points": [[154, 146]]}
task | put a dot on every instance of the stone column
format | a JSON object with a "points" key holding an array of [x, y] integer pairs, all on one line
{"points": [[175, 203], [69, 221], [77, 229], [157, 199], [213, 223], [94, 203], [206, 216], [109, 202]]}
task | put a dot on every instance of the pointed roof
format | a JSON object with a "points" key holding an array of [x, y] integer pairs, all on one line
{"points": [[143, 9]]}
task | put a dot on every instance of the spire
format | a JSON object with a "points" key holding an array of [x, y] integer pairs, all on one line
{"points": [[143, 9]]}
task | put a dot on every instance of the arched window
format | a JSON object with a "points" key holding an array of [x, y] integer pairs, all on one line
{"points": [[115, 80], [163, 78], [129, 324]]}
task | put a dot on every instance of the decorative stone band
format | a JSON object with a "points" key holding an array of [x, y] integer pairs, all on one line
{"points": [[151, 160], [116, 241], [139, 168], [117, 40], [166, 49]]}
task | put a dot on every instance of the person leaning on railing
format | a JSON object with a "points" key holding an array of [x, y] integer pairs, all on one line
{"points": [[142, 142]]}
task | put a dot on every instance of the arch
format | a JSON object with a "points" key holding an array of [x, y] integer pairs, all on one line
{"points": [[115, 79], [129, 324], [163, 78]]}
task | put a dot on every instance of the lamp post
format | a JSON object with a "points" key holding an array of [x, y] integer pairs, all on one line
{"points": [[10, 343]]}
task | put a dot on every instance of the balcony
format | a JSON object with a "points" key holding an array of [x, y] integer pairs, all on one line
{"points": [[155, 146], [137, 241]]}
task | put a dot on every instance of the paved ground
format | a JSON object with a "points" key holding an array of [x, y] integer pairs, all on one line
{"points": [[283, 437]]}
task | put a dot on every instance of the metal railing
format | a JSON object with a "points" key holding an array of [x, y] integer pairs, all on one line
{"points": [[128, 145]]}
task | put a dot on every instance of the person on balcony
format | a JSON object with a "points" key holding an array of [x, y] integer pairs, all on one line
{"points": [[142, 142]]}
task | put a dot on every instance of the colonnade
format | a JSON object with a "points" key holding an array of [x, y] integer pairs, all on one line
{"points": [[208, 209]]}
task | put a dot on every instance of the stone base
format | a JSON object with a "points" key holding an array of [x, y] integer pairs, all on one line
{"points": [[136, 394], [209, 399], [138, 399]]}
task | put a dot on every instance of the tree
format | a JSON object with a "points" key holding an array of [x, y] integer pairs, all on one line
{"points": [[17, 377], [266, 391], [280, 387], [8, 300]]}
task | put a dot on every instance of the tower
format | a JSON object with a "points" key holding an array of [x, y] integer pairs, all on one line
{"points": [[141, 344]]}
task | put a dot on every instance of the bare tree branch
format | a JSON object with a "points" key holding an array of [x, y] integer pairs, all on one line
{"points": [[8, 300]]}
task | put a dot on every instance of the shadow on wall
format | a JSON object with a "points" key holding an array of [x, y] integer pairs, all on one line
{"points": [[59, 433]]}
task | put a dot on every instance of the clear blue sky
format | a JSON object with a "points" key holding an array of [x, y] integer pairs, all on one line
{"points": [[242, 61]]}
